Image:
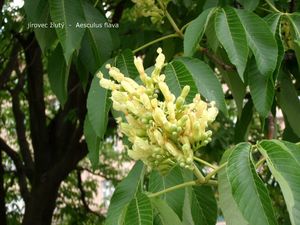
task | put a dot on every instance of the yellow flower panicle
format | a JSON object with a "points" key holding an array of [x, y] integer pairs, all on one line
{"points": [[163, 132]]}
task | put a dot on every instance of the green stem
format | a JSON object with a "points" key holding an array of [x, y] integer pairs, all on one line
{"points": [[186, 184], [198, 174], [96, 3], [169, 17], [272, 6], [155, 41], [185, 26], [260, 162], [210, 175], [204, 162]]}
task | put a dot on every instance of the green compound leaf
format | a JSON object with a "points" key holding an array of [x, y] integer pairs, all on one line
{"points": [[283, 159], [58, 73], [231, 35], [68, 13], [194, 32], [260, 40], [205, 80], [248, 190], [139, 211], [164, 214], [98, 104], [123, 195], [175, 199], [229, 207]]}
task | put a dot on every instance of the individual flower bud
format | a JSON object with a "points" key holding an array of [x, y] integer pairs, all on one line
{"points": [[145, 101], [127, 129], [116, 74], [127, 87], [158, 137], [154, 103], [179, 102], [171, 111], [131, 107], [172, 149], [159, 117], [165, 91], [185, 91], [160, 60], [138, 62], [134, 84], [119, 96], [108, 84], [119, 106]]}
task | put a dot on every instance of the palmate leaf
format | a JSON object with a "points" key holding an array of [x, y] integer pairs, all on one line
{"points": [[125, 191], [98, 104], [229, 207], [248, 190], [58, 73], [68, 13], [194, 32], [260, 40], [139, 211], [283, 159], [231, 35], [175, 199]]}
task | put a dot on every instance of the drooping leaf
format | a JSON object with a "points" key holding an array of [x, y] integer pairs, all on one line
{"points": [[58, 73], [194, 32], [93, 142], [139, 211], [68, 14], [249, 5], [260, 40], [289, 102], [166, 216], [97, 43], [126, 65], [231, 35], [211, 35], [261, 89], [37, 11], [123, 195], [98, 104], [248, 190], [294, 18], [229, 207], [283, 159], [175, 199], [242, 126], [206, 81]]}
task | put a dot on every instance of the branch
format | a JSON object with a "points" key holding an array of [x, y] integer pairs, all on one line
{"points": [[2, 194], [82, 196], [97, 174], [19, 167], [21, 130]]}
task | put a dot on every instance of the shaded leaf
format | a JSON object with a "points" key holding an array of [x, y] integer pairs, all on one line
{"points": [[249, 5], [125, 64], [242, 126], [58, 73]]}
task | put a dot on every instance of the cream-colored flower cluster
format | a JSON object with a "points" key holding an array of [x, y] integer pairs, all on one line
{"points": [[163, 129]]}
